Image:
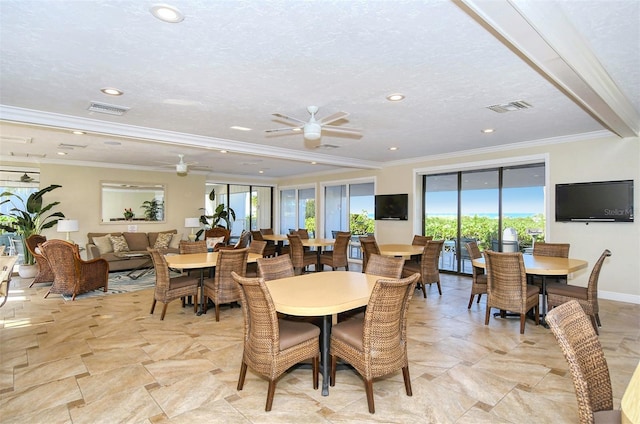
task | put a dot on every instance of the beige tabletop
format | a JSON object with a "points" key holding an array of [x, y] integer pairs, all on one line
{"points": [[318, 242], [545, 265], [323, 293], [630, 404], [275, 237], [405, 250], [199, 260]]}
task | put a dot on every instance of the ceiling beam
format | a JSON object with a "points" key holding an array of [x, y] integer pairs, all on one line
{"points": [[541, 34]]}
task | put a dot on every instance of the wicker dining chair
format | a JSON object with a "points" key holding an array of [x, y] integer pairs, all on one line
{"points": [[186, 247], [221, 288], [558, 294], [385, 266], [559, 250], [168, 289], [338, 257], [275, 268], [243, 242], [587, 363], [216, 232], [299, 257], [272, 345], [369, 247], [427, 267], [376, 345], [479, 281], [507, 287], [270, 248], [45, 273], [257, 247], [419, 240], [72, 274]]}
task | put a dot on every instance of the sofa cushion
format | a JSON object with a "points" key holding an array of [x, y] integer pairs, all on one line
{"points": [[154, 235], [162, 241], [103, 244], [137, 241], [120, 244], [212, 241], [175, 241], [90, 236]]}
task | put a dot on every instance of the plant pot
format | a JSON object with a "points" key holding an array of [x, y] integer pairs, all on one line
{"points": [[27, 271]]}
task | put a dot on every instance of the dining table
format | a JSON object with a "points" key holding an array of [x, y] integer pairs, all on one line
{"points": [[278, 239], [323, 295], [404, 250], [318, 244], [199, 261], [544, 266]]}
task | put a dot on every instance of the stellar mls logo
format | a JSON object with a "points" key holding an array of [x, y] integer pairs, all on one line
{"points": [[617, 212]]}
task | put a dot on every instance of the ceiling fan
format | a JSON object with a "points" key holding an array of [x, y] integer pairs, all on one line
{"points": [[313, 128], [182, 167]]}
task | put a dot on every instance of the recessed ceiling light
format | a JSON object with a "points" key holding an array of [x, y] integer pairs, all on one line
{"points": [[395, 97], [393, 148], [261, 172], [62, 153], [112, 91], [487, 130], [78, 132], [167, 13], [314, 163], [235, 127], [223, 151]]}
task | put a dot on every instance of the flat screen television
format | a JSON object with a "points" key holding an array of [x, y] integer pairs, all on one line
{"points": [[602, 201], [392, 207]]}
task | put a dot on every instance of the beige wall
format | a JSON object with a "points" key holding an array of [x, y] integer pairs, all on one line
{"points": [[79, 197], [606, 158]]}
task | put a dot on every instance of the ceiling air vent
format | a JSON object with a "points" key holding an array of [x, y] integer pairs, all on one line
{"points": [[17, 140], [510, 107], [326, 146], [67, 146], [27, 155], [107, 108]]}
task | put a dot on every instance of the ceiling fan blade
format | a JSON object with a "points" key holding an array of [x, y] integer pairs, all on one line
{"points": [[342, 129], [288, 118], [333, 118], [283, 129]]}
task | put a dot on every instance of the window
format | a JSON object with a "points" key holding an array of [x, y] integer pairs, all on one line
{"points": [[298, 209]]}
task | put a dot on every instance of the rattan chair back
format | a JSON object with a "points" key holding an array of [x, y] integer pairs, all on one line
{"points": [[559, 250], [257, 247], [223, 289], [218, 232], [299, 257], [338, 257], [419, 240], [385, 266], [479, 277], [264, 350], [167, 288], [275, 268], [369, 247], [45, 273], [266, 231], [186, 247], [581, 347]]}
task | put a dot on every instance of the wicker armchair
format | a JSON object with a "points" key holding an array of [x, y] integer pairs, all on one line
{"points": [[427, 267], [588, 366], [369, 247], [242, 243], [221, 288], [299, 257], [377, 344], [45, 273], [72, 275], [272, 345], [168, 289], [218, 232], [479, 282], [385, 266], [507, 287], [275, 268], [557, 294], [338, 257]]}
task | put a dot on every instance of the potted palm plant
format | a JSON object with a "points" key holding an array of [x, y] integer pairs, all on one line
{"points": [[29, 217]]}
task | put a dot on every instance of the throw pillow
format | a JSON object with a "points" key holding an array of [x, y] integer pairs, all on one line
{"points": [[175, 241], [119, 244], [103, 244], [163, 240], [212, 241]]}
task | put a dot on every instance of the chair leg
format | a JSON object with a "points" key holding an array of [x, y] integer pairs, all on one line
{"points": [[164, 311], [470, 301], [594, 323], [598, 320], [479, 296], [243, 374], [332, 376], [486, 316], [218, 317], [153, 306], [315, 368], [407, 380], [270, 393], [522, 318], [195, 303], [439, 288], [536, 312], [368, 388]]}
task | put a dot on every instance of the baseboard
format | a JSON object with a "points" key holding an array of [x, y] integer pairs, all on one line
{"points": [[619, 297]]}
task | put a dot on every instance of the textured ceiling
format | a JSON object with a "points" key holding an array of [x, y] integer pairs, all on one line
{"points": [[238, 62]]}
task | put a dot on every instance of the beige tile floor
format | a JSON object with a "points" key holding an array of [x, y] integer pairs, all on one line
{"points": [[106, 360]]}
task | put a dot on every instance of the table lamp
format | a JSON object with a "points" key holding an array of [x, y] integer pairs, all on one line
{"points": [[192, 223], [67, 226]]}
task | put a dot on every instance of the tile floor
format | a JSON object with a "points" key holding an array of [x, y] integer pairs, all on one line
{"points": [[106, 360]]}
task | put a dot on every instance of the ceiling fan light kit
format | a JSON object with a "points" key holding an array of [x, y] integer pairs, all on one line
{"points": [[312, 129]]}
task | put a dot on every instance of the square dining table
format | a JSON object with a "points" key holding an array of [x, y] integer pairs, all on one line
{"points": [[322, 294]]}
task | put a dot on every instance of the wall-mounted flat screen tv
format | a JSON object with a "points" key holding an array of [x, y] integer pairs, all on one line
{"points": [[392, 207], [602, 201]]}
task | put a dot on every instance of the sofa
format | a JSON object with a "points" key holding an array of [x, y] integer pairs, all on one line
{"points": [[120, 249]]}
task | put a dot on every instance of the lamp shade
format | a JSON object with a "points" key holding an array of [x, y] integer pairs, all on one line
{"points": [[67, 225], [191, 222]]}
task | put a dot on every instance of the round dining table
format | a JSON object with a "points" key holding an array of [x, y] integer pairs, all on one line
{"points": [[404, 250]]}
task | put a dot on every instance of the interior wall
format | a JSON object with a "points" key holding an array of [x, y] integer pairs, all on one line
{"points": [[79, 198]]}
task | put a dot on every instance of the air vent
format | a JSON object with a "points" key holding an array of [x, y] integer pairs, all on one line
{"points": [[16, 140], [510, 107], [107, 108], [67, 146], [27, 155], [326, 146]]}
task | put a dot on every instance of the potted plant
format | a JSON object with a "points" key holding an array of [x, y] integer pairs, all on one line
{"points": [[128, 214], [228, 215], [152, 210], [29, 217]]}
